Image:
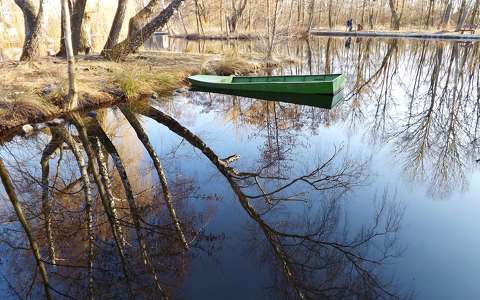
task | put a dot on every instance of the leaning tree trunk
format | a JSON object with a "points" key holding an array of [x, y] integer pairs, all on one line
{"points": [[462, 15], [72, 98], [114, 34], [33, 22], [136, 39], [446, 15], [8, 185]]}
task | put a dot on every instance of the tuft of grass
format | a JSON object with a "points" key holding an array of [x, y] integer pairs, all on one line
{"points": [[230, 65], [137, 82]]}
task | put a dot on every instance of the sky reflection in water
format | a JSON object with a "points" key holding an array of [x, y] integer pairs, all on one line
{"points": [[384, 200]]}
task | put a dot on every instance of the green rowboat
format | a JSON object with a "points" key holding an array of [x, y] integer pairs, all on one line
{"points": [[298, 84]]}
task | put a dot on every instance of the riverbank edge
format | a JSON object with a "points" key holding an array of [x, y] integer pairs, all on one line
{"points": [[391, 34], [32, 92]]}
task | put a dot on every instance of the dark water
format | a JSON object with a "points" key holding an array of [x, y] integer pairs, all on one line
{"points": [[375, 198]]}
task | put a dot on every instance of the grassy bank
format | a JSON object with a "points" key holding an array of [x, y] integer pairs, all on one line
{"points": [[33, 92]]}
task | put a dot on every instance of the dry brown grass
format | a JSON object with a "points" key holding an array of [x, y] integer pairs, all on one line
{"points": [[231, 64], [35, 91]]}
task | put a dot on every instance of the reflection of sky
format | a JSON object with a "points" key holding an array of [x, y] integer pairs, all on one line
{"points": [[439, 233], [439, 230]]}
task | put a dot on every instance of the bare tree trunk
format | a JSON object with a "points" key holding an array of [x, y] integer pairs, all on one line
{"points": [[76, 23], [462, 15], [395, 22], [8, 185], [114, 34], [311, 14], [33, 22], [430, 12], [446, 15], [72, 98], [137, 38], [236, 14], [330, 20], [143, 137]]}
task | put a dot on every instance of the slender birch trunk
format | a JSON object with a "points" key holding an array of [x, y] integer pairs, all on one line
{"points": [[72, 98]]}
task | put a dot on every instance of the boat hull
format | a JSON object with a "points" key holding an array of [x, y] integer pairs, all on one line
{"points": [[298, 85]]}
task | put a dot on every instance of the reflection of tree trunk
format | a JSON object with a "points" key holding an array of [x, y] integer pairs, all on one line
{"points": [[82, 132], [112, 151], [103, 169], [223, 167], [8, 185], [46, 205], [143, 137], [88, 201], [327, 56]]}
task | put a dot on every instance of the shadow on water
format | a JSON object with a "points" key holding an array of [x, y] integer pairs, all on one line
{"points": [[319, 100]]}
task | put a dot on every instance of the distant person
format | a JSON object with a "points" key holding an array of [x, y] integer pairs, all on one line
{"points": [[359, 27], [349, 25]]}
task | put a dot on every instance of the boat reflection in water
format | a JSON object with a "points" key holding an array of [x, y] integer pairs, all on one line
{"points": [[322, 91], [315, 100]]}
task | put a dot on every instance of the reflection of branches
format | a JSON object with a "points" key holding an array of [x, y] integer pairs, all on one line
{"points": [[143, 137], [7, 183], [96, 130], [351, 252]]}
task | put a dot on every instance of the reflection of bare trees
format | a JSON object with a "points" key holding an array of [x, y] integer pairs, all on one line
{"points": [[316, 260], [421, 96], [86, 242]]}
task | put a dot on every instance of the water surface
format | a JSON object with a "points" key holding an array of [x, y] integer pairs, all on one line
{"points": [[375, 198]]}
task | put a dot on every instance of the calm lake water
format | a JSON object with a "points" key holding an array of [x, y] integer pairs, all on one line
{"points": [[375, 198]]}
